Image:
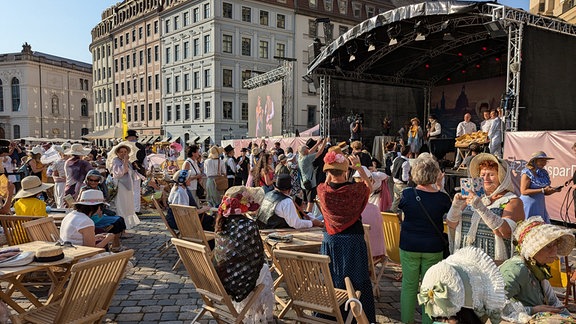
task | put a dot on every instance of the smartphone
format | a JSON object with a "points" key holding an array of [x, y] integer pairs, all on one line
{"points": [[475, 185], [558, 188]]}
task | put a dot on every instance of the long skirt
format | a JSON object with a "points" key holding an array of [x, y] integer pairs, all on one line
{"points": [[349, 258], [213, 196], [125, 205]]}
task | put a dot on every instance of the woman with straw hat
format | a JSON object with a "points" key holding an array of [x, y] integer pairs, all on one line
{"points": [[526, 274], [75, 169], [27, 203], [212, 168], [122, 170], [535, 185]]}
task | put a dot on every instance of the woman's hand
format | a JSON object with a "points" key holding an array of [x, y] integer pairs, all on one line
{"points": [[460, 201], [355, 162], [546, 308]]}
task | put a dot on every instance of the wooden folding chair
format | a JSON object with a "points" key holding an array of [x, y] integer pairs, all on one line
{"points": [[310, 287], [168, 244], [391, 225], [198, 262], [88, 294], [42, 229], [354, 304], [13, 229], [375, 274], [189, 224]]}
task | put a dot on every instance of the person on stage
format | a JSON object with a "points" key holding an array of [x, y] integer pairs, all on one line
{"points": [[464, 127]]}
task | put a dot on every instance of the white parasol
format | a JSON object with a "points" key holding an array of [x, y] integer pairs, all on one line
{"points": [[112, 153]]}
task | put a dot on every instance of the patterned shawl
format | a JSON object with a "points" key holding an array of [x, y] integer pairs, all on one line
{"points": [[343, 206]]}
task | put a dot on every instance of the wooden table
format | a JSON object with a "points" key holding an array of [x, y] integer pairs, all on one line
{"points": [[15, 275]]}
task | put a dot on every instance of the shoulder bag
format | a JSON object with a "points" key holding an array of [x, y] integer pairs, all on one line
{"points": [[221, 180], [443, 236]]}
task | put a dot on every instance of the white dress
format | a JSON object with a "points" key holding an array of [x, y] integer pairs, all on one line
{"points": [[125, 195]]}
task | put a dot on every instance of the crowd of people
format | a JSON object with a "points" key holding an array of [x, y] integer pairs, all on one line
{"points": [[334, 186]]}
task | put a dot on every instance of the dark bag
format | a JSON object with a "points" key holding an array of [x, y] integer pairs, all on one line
{"points": [[307, 184], [443, 236], [221, 180], [200, 192]]}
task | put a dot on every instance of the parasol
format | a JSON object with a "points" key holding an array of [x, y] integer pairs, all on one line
{"points": [[156, 160], [176, 146]]}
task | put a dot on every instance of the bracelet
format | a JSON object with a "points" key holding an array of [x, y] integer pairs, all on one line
{"points": [[357, 165], [543, 191]]}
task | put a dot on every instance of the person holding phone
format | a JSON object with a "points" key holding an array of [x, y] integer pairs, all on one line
{"points": [[535, 185], [487, 222]]}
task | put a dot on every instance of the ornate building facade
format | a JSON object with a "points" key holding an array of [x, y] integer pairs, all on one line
{"points": [[42, 95]]}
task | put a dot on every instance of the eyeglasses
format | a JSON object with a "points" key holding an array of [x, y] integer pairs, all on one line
{"points": [[93, 180], [65, 244]]}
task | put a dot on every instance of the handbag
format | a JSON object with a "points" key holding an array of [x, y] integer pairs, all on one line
{"points": [[221, 180], [443, 236]]}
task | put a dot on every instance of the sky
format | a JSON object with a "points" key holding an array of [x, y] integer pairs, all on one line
{"points": [[62, 27]]}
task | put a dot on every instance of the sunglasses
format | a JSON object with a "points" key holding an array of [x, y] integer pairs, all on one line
{"points": [[93, 180], [65, 244]]}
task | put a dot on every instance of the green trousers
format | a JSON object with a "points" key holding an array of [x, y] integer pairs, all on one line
{"points": [[414, 266]]}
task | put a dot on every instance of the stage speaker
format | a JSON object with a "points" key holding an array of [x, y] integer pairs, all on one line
{"points": [[496, 28]]}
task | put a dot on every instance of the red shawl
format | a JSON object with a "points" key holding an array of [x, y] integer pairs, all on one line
{"points": [[342, 207]]}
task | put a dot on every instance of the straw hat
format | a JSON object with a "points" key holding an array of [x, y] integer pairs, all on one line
{"points": [[540, 155], [58, 148], [533, 235], [474, 168], [91, 197], [215, 152], [132, 150], [468, 278], [77, 149], [181, 176], [37, 150], [335, 160], [32, 185], [240, 199]]}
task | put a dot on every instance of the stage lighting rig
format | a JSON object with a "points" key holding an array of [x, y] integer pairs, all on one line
{"points": [[449, 30], [352, 48], [393, 33], [422, 30], [370, 42]]}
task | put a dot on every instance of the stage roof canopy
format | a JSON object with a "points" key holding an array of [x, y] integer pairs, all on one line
{"points": [[437, 42]]}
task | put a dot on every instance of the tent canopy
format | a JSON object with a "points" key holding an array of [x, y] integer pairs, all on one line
{"points": [[110, 133], [437, 42]]}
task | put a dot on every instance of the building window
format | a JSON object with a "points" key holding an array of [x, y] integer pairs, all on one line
{"points": [[168, 113], [328, 5], [196, 46], [167, 26], [177, 117], [115, 67], [156, 81], [149, 111], [246, 46], [227, 110], [141, 85], [187, 111], [196, 110], [187, 82], [16, 131], [117, 114], [186, 16], [84, 107], [127, 38], [263, 52], [280, 50], [196, 14], [127, 62], [370, 11], [141, 58], [133, 36], [342, 30], [343, 7], [246, 74], [1, 97], [206, 10], [311, 120], [135, 85], [227, 10], [313, 4], [121, 40], [196, 80], [149, 83], [142, 112], [207, 111], [246, 14], [207, 78], [168, 85], [186, 50], [312, 28], [244, 111], [176, 22], [227, 43], [140, 32], [122, 88], [357, 9], [280, 21], [128, 87], [110, 96], [167, 55], [177, 83], [156, 27], [263, 18], [157, 111], [135, 112], [176, 53], [227, 78], [55, 106], [148, 30], [15, 95], [206, 44], [156, 53]]}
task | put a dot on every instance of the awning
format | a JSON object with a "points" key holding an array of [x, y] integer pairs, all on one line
{"points": [[153, 139], [113, 132], [203, 139], [193, 141], [165, 139], [143, 139], [174, 139]]}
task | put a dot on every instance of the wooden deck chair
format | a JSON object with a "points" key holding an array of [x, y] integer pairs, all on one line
{"points": [[560, 278], [310, 287], [12, 225], [375, 274], [42, 229], [88, 294], [189, 224], [168, 244], [198, 262], [391, 225], [354, 304]]}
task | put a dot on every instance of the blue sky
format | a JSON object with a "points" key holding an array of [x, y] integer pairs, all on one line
{"points": [[62, 27]]}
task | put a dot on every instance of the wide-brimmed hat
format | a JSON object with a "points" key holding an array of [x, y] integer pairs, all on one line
{"points": [[32, 185], [281, 157], [357, 174], [503, 172], [181, 176], [94, 173], [540, 155], [58, 148], [77, 149], [415, 119], [335, 160], [532, 235], [215, 152], [37, 150], [343, 146], [91, 197], [132, 151], [468, 278], [228, 148], [240, 199], [283, 182]]}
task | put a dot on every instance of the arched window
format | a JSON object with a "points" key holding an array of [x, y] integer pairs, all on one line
{"points": [[15, 95], [84, 131], [16, 131], [55, 106], [84, 107], [1, 97]]}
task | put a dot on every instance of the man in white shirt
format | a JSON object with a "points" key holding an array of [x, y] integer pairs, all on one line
{"points": [[463, 128], [278, 209], [400, 175], [231, 165], [487, 122], [495, 134]]}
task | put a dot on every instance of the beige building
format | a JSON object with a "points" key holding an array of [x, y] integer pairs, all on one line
{"points": [[42, 95], [565, 10]]}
